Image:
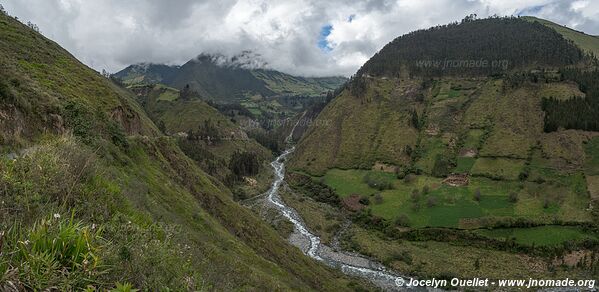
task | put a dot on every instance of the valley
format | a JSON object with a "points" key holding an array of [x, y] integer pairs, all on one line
{"points": [[224, 174]]}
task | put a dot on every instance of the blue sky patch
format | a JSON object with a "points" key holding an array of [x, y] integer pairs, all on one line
{"points": [[323, 44]]}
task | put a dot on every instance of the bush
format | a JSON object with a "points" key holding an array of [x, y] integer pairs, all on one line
{"points": [[415, 195], [431, 202], [477, 195], [378, 182], [402, 220], [425, 189], [378, 198], [364, 200], [513, 197]]}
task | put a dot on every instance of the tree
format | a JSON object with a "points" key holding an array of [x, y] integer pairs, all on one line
{"points": [[513, 197], [33, 26], [477, 195], [2, 9], [431, 202], [415, 195], [244, 164], [425, 189], [402, 221]]}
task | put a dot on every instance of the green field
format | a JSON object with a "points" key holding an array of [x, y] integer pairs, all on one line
{"points": [[473, 139], [464, 164], [457, 206], [501, 168], [539, 236]]}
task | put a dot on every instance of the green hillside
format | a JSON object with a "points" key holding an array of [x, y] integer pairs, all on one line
{"points": [[146, 74], [182, 118], [227, 82], [93, 194], [589, 43], [423, 158], [473, 47]]}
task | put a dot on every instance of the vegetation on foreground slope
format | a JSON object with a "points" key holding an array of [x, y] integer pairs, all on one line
{"points": [[472, 162], [92, 194]]}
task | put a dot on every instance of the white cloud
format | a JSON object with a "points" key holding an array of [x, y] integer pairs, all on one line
{"points": [[111, 34]]}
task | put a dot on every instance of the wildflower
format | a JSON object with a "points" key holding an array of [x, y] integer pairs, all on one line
{"points": [[56, 216], [93, 226]]}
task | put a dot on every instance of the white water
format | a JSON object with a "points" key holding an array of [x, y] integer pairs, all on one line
{"points": [[372, 271]]}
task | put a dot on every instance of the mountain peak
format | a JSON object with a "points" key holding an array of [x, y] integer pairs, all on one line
{"points": [[245, 60]]}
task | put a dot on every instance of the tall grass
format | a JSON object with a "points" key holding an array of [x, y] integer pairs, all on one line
{"points": [[55, 253]]}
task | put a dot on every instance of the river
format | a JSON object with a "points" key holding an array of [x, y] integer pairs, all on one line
{"points": [[350, 263]]}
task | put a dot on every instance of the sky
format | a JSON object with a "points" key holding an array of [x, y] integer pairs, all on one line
{"points": [[301, 37]]}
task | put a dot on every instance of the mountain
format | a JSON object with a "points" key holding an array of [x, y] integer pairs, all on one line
{"points": [[93, 194], [459, 151], [146, 73], [221, 78], [589, 43]]}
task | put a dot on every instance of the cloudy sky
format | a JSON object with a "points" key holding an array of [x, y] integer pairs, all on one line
{"points": [[304, 37]]}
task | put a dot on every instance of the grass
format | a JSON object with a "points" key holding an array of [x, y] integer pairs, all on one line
{"points": [[286, 84], [167, 93], [592, 157], [456, 206], [473, 139], [464, 164], [167, 225], [561, 91], [379, 131], [540, 236], [348, 182], [442, 259], [432, 147], [500, 168]]}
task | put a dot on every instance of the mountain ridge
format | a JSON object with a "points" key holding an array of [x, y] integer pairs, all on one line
{"points": [[219, 77]]}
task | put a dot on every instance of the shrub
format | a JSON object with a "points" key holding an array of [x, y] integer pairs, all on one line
{"points": [[425, 189], [378, 198], [364, 200], [431, 202], [126, 287], [378, 182], [402, 220], [477, 195], [58, 252], [513, 197], [415, 195]]}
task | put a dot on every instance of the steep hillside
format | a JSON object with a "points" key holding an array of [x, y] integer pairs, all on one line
{"points": [[92, 194], [589, 43], [490, 165], [223, 79], [473, 47], [146, 73], [207, 136]]}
